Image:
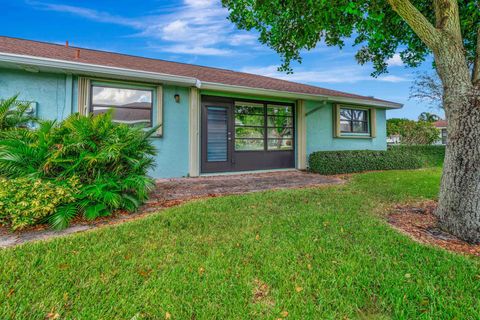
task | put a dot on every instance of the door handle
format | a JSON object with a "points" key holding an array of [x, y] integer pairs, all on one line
{"points": [[229, 136]]}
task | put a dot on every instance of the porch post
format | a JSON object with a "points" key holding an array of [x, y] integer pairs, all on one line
{"points": [[194, 133], [301, 136]]}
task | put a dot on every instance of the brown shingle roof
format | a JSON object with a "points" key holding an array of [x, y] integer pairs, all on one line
{"points": [[204, 74], [440, 124]]}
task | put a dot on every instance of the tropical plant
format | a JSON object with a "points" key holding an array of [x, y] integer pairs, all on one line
{"points": [[412, 30], [428, 117], [14, 114], [26, 201], [110, 160]]}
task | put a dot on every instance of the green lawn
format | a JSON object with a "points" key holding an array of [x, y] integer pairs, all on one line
{"points": [[319, 253]]}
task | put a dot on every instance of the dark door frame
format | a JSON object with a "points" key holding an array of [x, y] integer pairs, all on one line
{"points": [[244, 160], [217, 166]]}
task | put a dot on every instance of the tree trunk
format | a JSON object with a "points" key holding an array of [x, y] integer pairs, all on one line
{"points": [[459, 201], [459, 204]]}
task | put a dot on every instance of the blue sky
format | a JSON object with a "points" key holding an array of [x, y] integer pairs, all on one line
{"points": [[197, 31]]}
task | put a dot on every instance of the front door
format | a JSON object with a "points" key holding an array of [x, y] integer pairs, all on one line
{"points": [[216, 137], [246, 135]]}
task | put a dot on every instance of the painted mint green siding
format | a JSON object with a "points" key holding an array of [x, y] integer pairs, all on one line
{"points": [[52, 92], [320, 131], [172, 158], [56, 97]]}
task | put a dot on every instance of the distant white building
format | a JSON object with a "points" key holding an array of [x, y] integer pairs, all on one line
{"points": [[441, 125], [393, 139]]}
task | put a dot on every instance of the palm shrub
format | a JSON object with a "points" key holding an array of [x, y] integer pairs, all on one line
{"points": [[14, 114], [110, 160]]}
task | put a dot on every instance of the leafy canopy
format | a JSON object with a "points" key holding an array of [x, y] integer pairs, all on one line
{"points": [[413, 132], [290, 26]]}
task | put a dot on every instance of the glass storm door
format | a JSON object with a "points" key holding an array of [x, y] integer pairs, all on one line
{"points": [[216, 137]]}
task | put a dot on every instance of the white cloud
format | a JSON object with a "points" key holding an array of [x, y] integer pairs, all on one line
{"points": [[242, 39], [394, 61], [196, 27], [87, 13], [193, 50], [200, 3], [330, 75]]}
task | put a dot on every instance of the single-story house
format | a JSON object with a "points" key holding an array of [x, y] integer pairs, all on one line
{"points": [[212, 120], [441, 125]]}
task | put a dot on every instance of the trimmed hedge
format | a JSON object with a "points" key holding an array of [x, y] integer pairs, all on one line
{"points": [[431, 155], [396, 157]]}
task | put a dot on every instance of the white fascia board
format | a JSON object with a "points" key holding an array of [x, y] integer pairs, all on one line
{"points": [[296, 96], [93, 68], [70, 66]]}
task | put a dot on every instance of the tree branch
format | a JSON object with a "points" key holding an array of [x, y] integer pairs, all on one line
{"points": [[448, 19], [476, 62], [417, 21]]}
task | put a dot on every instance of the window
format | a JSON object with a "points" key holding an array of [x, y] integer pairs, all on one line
{"points": [[353, 120], [444, 136], [260, 127], [280, 127], [249, 127], [130, 105]]}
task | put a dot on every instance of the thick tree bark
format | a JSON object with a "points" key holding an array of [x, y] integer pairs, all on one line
{"points": [[459, 203]]}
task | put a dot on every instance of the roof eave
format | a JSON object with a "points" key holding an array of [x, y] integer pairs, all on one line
{"points": [[80, 67], [298, 95], [69, 66]]}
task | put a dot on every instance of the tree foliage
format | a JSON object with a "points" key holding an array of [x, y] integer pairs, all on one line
{"points": [[428, 117], [413, 132], [290, 26]]}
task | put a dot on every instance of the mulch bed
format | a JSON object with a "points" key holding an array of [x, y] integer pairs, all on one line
{"points": [[418, 222]]}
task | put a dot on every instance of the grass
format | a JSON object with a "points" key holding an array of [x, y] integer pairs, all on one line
{"points": [[318, 253]]}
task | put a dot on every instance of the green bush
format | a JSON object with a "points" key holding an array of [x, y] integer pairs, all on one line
{"points": [[110, 160], [430, 155], [413, 132], [25, 201], [396, 157], [336, 162]]}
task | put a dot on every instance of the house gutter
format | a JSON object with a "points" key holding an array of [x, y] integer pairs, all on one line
{"points": [[88, 68], [299, 95], [95, 69]]}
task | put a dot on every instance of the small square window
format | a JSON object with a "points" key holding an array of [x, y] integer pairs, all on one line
{"points": [[353, 120]]}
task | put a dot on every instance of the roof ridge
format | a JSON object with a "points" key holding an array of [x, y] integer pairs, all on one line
{"points": [[168, 61], [195, 70]]}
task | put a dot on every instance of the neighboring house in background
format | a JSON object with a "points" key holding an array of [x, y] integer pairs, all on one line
{"points": [[393, 139], [212, 120], [441, 125]]}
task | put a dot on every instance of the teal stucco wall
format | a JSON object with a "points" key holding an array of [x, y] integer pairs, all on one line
{"points": [[52, 92], [172, 158], [56, 98], [320, 137]]}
